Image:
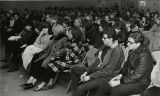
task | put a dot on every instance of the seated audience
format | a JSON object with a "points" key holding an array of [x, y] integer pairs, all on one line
{"points": [[90, 43]]}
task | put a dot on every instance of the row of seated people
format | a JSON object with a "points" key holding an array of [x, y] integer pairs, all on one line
{"points": [[53, 48]]}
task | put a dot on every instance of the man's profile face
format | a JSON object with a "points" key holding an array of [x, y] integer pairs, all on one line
{"points": [[77, 23], [53, 21], [158, 21], [131, 44], [47, 18], [107, 41], [16, 17], [106, 18]]}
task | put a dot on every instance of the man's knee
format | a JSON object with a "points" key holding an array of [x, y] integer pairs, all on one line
{"points": [[74, 68], [147, 93], [78, 70], [116, 91], [81, 89]]}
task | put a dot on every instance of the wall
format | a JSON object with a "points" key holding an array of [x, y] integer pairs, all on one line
{"points": [[126, 3], [42, 4], [33, 4], [152, 5], [111, 3]]}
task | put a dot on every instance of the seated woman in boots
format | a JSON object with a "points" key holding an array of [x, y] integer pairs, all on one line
{"points": [[40, 69], [64, 58]]}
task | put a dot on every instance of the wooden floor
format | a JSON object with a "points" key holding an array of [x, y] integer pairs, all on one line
{"points": [[9, 83]]}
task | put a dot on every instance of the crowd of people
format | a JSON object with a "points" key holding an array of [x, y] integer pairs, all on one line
{"points": [[106, 51]]}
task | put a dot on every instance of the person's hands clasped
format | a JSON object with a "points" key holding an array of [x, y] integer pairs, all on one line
{"points": [[84, 78], [115, 81]]}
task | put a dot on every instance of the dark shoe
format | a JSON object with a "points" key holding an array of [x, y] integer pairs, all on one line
{"points": [[13, 69], [49, 87], [5, 66], [25, 84], [3, 60], [29, 86]]}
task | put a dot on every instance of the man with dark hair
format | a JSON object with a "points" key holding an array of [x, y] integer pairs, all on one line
{"points": [[135, 74], [105, 67]]}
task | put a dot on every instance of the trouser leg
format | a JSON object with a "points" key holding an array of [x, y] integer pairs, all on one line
{"points": [[128, 89], [76, 72], [153, 91], [87, 86], [103, 90]]}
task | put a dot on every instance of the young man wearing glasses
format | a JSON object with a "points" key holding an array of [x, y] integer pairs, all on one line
{"points": [[106, 66], [135, 74]]}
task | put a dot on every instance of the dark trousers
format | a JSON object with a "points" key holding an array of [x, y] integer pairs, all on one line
{"points": [[14, 54], [153, 91], [84, 88], [128, 89], [8, 50], [121, 90], [41, 73], [103, 90], [15, 60], [76, 72]]}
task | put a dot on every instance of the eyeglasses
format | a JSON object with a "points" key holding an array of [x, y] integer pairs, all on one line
{"points": [[129, 42], [104, 38]]}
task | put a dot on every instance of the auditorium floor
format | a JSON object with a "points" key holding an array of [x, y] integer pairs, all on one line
{"points": [[9, 83]]}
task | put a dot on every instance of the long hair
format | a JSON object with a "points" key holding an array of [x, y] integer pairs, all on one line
{"points": [[76, 33], [58, 31]]}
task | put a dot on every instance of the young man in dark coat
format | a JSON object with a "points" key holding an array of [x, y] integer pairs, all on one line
{"points": [[135, 72]]}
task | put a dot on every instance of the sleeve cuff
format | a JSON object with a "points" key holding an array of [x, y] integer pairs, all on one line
{"points": [[91, 77], [122, 80]]}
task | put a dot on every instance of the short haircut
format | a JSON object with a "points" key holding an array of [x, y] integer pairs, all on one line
{"points": [[55, 17], [58, 29], [79, 20], [137, 36], [67, 22], [110, 33], [118, 25]]}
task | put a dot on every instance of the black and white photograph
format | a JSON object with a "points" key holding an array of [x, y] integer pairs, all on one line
{"points": [[79, 47]]}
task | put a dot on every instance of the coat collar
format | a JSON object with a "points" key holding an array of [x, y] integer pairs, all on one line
{"points": [[140, 48]]}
